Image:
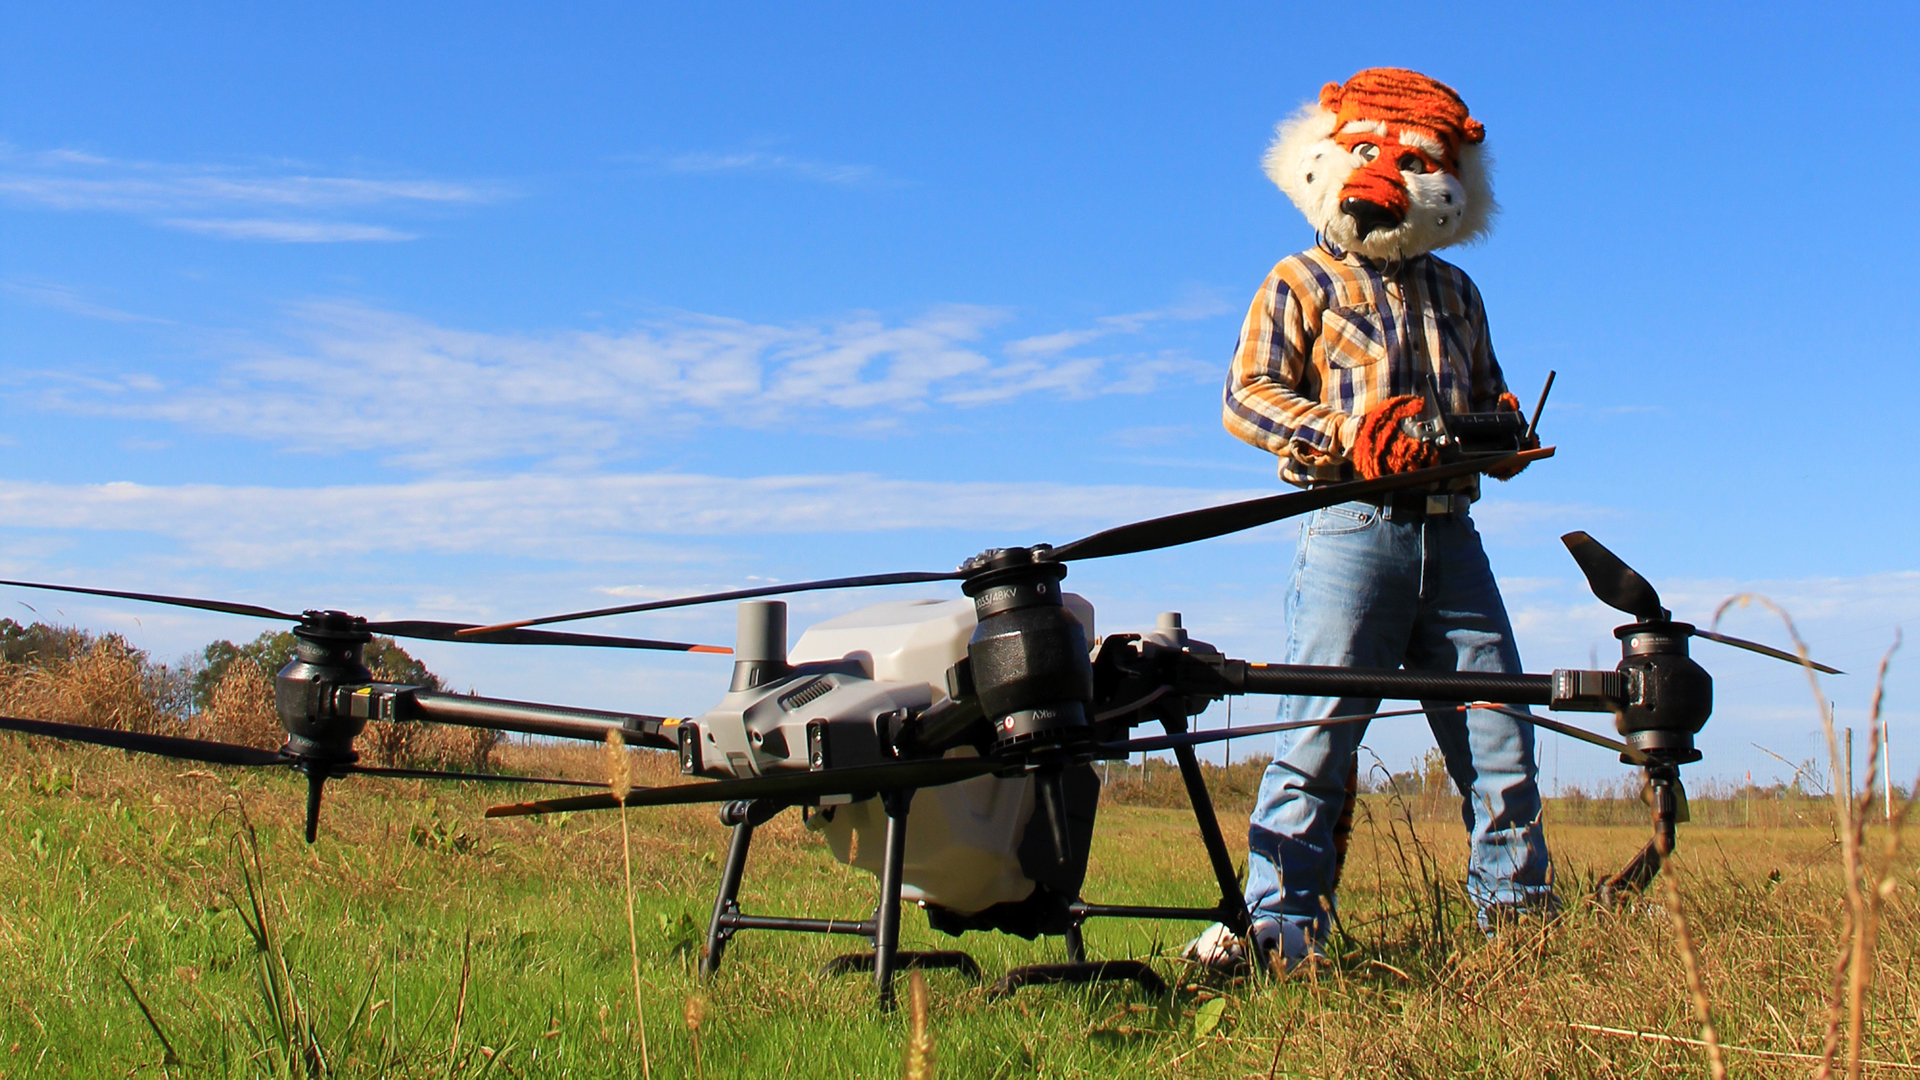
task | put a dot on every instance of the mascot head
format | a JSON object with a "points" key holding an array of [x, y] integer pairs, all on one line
{"points": [[1389, 165]]}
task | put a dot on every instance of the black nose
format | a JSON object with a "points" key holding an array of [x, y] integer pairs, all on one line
{"points": [[1369, 217]]}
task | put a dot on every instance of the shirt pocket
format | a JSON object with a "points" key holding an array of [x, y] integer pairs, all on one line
{"points": [[1352, 337]]}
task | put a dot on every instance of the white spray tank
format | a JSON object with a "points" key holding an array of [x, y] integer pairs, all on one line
{"points": [[963, 840]]}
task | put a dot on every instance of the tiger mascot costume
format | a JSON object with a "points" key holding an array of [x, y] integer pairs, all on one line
{"points": [[1343, 343]]}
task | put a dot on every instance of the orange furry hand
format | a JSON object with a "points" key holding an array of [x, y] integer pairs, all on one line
{"points": [[1380, 448]]}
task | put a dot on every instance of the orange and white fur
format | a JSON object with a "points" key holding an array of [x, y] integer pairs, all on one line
{"points": [[1386, 177]]}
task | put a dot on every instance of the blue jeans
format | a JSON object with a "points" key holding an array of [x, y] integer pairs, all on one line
{"points": [[1365, 592]]}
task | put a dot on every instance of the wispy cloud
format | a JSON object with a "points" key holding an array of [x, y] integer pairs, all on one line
{"points": [[290, 232], [178, 195], [1108, 325], [71, 301], [433, 395], [591, 518], [763, 161]]}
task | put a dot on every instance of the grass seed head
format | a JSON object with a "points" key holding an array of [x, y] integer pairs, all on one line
{"points": [[619, 766]]}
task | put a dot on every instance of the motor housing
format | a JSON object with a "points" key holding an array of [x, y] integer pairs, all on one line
{"points": [[1029, 659]]}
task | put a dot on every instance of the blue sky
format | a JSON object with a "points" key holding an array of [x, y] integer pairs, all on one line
{"points": [[477, 315]]}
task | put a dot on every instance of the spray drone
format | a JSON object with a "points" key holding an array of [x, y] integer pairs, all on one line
{"points": [[946, 746]]}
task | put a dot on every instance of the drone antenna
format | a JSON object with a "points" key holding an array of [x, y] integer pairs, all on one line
{"points": [[1540, 406]]}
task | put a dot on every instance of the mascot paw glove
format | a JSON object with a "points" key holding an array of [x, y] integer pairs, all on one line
{"points": [[1380, 448], [1508, 472]]}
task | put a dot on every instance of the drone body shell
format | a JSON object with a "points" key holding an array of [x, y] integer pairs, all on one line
{"points": [[963, 840]]}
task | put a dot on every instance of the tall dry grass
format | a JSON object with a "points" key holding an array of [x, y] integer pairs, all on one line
{"points": [[108, 685], [240, 710]]}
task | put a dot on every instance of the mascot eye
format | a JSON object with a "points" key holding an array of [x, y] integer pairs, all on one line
{"points": [[1366, 151], [1412, 163]]}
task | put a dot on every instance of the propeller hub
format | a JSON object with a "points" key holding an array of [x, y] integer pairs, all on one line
{"points": [[994, 559], [1654, 638], [335, 624]]}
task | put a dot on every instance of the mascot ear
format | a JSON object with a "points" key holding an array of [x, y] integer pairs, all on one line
{"points": [[1473, 131], [1330, 97]]}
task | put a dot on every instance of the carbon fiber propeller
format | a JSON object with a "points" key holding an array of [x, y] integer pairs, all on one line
{"points": [[233, 754], [1621, 587], [419, 629], [1151, 535]]}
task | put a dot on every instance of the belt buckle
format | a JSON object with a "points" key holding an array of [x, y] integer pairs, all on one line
{"points": [[1439, 505]]}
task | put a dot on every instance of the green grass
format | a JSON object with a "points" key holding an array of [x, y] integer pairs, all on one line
{"points": [[413, 920]]}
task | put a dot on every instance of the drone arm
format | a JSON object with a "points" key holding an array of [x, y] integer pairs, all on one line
{"points": [[1400, 685], [392, 701], [1213, 675]]}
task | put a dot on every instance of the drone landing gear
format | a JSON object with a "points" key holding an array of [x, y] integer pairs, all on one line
{"points": [[1135, 971], [1231, 911], [1669, 809], [883, 929]]}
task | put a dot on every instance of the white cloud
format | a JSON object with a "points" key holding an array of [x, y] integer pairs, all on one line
{"points": [[761, 161], [1127, 323], [292, 232], [578, 518], [180, 195], [432, 395]]}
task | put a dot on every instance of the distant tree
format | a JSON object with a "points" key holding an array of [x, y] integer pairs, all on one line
{"points": [[392, 663], [40, 645], [272, 651]]}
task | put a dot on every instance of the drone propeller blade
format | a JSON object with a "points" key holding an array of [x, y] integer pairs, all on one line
{"points": [[447, 631], [1139, 536], [497, 778], [1617, 585], [175, 601], [1212, 521], [1156, 743], [213, 753], [797, 786], [1764, 650], [907, 578], [407, 628], [1570, 732]]}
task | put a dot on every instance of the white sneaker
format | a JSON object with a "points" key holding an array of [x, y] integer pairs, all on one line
{"points": [[1222, 951]]}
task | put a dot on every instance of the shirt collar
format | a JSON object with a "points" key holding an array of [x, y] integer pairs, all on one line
{"points": [[1354, 258]]}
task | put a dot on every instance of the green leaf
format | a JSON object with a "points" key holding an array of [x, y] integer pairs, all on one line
{"points": [[1208, 1016]]}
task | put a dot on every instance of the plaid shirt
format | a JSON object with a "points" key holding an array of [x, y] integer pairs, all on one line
{"points": [[1330, 337]]}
